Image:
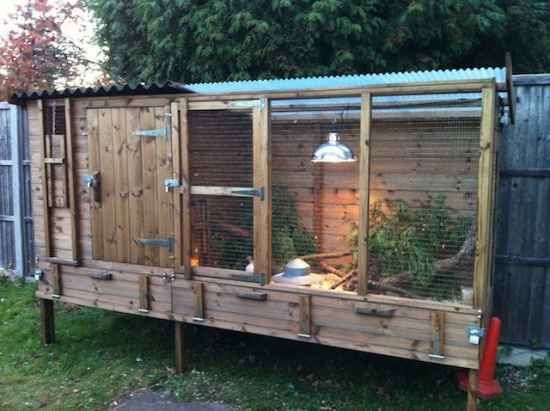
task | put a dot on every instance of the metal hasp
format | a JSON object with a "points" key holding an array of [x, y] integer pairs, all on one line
{"points": [[474, 334], [252, 192], [167, 242], [92, 181], [171, 183], [157, 132], [38, 274]]}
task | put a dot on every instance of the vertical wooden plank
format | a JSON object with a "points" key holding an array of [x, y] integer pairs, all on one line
{"points": [[511, 93], [44, 177], [56, 281], [150, 195], [305, 316], [96, 214], [107, 184], [49, 167], [493, 218], [262, 179], [176, 194], [179, 346], [364, 191], [472, 397], [122, 189], [72, 185], [65, 197], [47, 321], [185, 168], [164, 198], [485, 187], [144, 293], [198, 292], [438, 334], [135, 182]]}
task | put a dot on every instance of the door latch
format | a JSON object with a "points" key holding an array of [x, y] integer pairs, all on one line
{"points": [[474, 334], [93, 182], [249, 192], [171, 183], [167, 242]]}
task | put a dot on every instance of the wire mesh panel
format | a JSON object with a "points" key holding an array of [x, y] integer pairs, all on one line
{"points": [[220, 149], [314, 203], [423, 203]]}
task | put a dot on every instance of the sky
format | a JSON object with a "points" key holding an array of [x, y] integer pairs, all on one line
{"points": [[81, 34]]}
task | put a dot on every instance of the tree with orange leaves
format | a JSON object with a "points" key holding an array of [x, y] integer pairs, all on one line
{"points": [[36, 54]]}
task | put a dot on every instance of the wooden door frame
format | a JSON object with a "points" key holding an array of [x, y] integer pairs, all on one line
{"points": [[261, 148], [486, 176], [93, 133]]}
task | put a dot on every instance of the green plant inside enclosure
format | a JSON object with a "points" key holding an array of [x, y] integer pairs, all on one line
{"points": [[405, 239], [290, 238]]}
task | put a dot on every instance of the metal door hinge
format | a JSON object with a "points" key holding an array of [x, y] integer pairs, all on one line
{"points": [[171, 183], [248, 104], [249, 192], [166, 242], [157, 132], [474, 334]]}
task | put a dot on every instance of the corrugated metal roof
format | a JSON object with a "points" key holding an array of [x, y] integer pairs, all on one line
{"points": [[169, 87], [499, 74], [304, 83]]}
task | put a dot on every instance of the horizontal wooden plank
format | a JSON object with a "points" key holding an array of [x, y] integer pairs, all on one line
{"points": [[274, 332]]}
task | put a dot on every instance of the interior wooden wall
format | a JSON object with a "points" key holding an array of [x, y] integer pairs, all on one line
{"points": [[292, 146], [414, 180]]}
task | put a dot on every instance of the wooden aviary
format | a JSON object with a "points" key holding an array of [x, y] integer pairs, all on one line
{"points": [[187, 207]]}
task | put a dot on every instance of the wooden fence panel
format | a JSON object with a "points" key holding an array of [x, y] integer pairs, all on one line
{"points": [[522, 271]]}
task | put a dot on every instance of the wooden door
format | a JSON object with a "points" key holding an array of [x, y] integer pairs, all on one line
{"points": [[129, 160], [230, 196]]}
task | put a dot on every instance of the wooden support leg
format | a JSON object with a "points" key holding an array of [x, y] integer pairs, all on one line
{"points": [[47, 324], [472, 397], [179, 346]]}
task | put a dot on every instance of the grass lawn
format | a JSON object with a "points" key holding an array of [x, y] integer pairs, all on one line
{"points": [[100, 356]]}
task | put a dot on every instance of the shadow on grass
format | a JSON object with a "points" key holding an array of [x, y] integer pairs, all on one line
{"points": [[100, 356]]}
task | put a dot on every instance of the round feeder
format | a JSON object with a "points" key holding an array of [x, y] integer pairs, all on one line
{"points": [[297, 272]]}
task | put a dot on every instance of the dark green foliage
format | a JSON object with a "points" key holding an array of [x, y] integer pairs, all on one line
{"points": [[289, 236], [290, 239], [218, 40], [402, 239]]}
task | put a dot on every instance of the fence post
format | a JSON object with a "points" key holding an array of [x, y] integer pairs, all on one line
{"points": [[17, 181]]}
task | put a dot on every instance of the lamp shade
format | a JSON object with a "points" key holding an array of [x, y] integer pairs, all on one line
{"points": [[333, 151]]}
